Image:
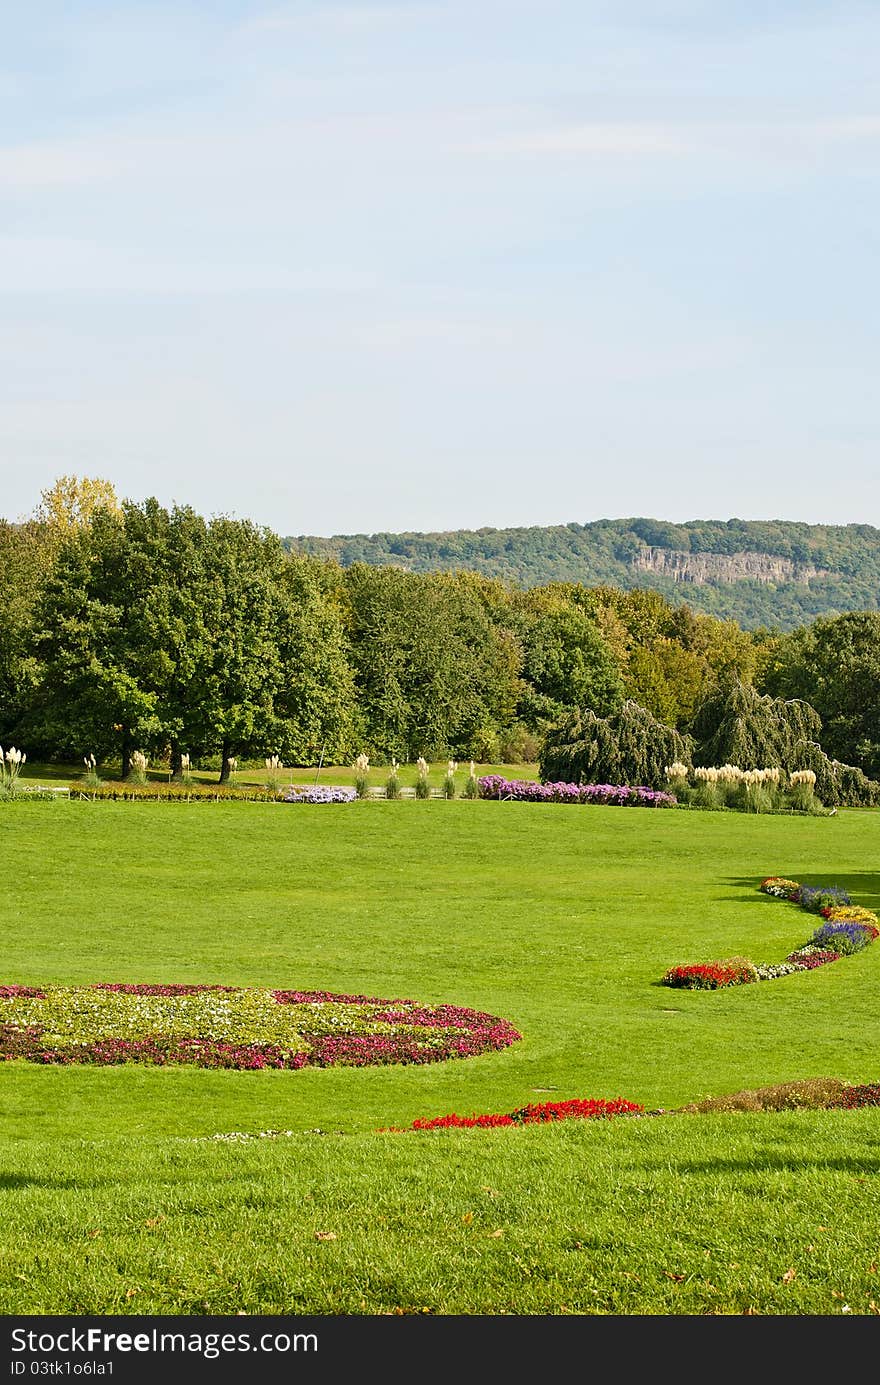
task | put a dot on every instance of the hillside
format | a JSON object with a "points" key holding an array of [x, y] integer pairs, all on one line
{"points": [[759, 572]]}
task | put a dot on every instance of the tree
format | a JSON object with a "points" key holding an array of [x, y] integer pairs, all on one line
{"points": [[740, 726], [630, 747], [25, 564], [90, 638], [568, 664], [72, 502], [835, 663], [433, 674], [245, 564], [315, 704], [160, 631]]}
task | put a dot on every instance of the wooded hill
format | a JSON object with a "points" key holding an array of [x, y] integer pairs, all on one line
{"points": [[758, 572]]}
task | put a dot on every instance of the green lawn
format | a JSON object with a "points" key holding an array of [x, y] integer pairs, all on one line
{"points": [[561, 920], [255, 773]]}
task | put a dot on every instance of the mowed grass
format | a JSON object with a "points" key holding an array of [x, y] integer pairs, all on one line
{"points": [[561, 920], [377, 775]]}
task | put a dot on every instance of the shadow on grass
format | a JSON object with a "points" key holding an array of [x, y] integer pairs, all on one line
{"points": [[862, 886], [25, 1180], [769, 1161]]}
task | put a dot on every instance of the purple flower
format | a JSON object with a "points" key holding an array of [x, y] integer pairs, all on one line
{"points": [[619, 795]]}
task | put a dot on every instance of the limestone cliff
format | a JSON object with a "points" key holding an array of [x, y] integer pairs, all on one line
{"points": [[699, 568]]}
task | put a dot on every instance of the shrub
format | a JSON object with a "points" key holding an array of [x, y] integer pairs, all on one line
{"points": [[449, 781], [126, 792], [423, 788], [812, 1094], [392, 783], [518, 746]]}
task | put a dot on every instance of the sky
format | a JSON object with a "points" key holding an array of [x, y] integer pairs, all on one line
{"points": [[351, 267]]}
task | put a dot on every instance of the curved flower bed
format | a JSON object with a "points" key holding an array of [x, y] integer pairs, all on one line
{"points": [[618, 795], [235, 1027], [847, 928]]}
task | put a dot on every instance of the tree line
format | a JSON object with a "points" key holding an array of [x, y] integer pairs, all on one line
{"points": [[606, 552], [130, 625]]}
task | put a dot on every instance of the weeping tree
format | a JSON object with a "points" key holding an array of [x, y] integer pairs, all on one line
{"points": [[628, 747], [736, 725]]}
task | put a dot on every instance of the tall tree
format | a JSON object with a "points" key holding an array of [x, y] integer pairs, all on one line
{"points": [[315, 703], [72, 502], [26, 559], [94, 693], [835, 664]]}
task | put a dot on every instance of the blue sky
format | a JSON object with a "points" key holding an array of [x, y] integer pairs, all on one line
{"points": [[445, 263]]}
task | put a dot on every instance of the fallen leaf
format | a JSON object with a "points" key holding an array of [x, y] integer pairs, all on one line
{"points": [[789, 1275], [325, 1236], [130, 1293], [154, 1221], [493, 1235], [676, 1277], [468, 1218], [93, 1234]]}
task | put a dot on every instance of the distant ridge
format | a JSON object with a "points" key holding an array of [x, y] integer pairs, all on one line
{"points": [[759, 572]]}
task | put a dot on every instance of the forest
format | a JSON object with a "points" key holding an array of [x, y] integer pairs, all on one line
{"points": [[127, 625], [797, 571]]}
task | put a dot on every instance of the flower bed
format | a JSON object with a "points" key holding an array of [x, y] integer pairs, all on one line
{"points": [[583, 1109], [320, 793], [847, 928], [618, 795], [813, 1094], [711, 976], [235, 1027]]}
